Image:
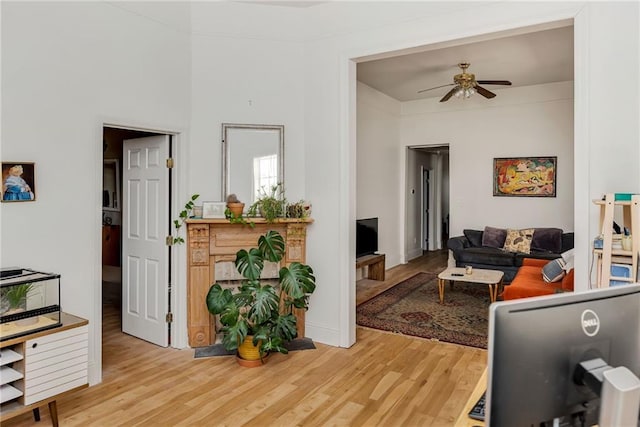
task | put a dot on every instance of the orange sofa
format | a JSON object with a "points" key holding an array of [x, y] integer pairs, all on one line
{"points": [[528, 281]]}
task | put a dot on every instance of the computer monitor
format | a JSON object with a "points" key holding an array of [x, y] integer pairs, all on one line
{"points": [[536, 344]]}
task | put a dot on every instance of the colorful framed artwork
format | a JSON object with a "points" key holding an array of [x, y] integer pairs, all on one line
{"points": [[18, 181], [524, 176], [213, 209]]}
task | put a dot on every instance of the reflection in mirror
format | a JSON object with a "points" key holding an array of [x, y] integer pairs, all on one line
{"points": [[253, 158], [111, 185]]}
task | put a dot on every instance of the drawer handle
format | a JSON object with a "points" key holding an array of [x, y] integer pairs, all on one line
{"points": [[34, 345]]}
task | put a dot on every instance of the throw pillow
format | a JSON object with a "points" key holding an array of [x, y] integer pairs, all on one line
{"points": [[553, 271], [494, 237], [519, 240], [547, 240], [474, 237]]}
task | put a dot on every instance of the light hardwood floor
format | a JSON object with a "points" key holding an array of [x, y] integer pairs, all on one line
{"points": [[383, 380]]}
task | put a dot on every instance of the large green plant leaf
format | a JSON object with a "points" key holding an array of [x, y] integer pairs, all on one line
{"points": [[249, 264], [272, 246], [274, 344], [217, 298], [285, 327], [233, 336], [262, 332], [231, 314], [265, 305], [297, 280], [245, 297]]}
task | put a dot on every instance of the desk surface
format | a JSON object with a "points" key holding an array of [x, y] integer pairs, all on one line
{"points": [[463, 419]]}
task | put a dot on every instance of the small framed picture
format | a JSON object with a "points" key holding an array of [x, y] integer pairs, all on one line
{"points": [[18, 181], [213, 209]]}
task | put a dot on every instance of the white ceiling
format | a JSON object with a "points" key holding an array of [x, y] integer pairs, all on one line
{"points": [[285, 3], [524, 59]]}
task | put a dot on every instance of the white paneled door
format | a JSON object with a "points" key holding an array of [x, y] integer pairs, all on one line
{"points": [[145, 225]]}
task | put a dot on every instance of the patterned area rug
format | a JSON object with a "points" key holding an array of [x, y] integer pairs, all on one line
{"points": [[412, 307]]}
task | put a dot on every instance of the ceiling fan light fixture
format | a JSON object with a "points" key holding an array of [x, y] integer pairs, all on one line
{"points": [[465, 85], [468, 92], [464, 92]]}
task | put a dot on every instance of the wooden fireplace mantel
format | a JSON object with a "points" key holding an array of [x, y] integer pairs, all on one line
{"points": [[210, 241]]}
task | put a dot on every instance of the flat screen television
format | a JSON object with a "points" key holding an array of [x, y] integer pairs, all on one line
{"points": [[537, 344], [366, 236]]}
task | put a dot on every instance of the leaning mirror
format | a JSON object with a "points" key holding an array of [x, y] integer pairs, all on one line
{"points": [[253, 158]]}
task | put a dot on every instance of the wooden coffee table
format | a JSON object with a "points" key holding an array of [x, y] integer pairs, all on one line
{"points": [[492, 278]]}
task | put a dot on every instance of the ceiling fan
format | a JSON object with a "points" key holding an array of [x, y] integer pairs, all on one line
{"points": [[465, 85]]}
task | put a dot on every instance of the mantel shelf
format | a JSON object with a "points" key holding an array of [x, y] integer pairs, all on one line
{"points": [[257, 220]]}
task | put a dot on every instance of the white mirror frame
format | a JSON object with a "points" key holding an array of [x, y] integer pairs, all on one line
{"points": [[114, 193], [227, 145]]}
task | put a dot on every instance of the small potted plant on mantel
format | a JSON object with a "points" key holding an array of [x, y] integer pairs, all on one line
{"points": [[258, 318], [270, 204], [234, 205]]}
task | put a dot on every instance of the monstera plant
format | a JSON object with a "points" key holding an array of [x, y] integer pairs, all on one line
{"points": [[258, 309]]}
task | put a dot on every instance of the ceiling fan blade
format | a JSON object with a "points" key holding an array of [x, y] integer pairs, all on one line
{"points": [[494, 82], [437, 87], [449, 94], [486, 93]]}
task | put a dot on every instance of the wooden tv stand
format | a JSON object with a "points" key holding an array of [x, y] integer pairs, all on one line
{"points": [[375, 263]]}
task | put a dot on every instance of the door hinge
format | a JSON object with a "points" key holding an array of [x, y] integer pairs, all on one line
{"points": [[169, 241], [169, 317], [169, 162]]}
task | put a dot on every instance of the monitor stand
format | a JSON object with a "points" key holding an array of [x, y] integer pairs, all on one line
{"points": [[619, 391], [620, 400]]}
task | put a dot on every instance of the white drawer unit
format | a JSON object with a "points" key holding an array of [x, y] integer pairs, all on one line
{"points": [[55, 363], [37, 369]]}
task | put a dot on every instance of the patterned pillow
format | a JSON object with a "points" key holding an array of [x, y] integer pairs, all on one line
{"points": [[519, 240], [553, 271]]}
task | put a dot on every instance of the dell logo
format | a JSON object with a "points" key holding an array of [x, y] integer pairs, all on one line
{"points": [[590, 323]]}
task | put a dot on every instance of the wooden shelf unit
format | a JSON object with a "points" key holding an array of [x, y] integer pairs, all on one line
{"points": [[608, 255], [60, 353]]}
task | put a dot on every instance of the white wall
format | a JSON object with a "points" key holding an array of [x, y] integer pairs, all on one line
{"points": [[530, 121], [329, 137], [67, 68], [243, 73], [610, 139], [378, 161], [521, 121]]}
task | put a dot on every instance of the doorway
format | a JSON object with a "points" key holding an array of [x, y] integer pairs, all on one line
{"points": [[114, 223], [427, 216]]}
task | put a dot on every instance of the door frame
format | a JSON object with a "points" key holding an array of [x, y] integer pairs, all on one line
{"points": [[178, 299]]}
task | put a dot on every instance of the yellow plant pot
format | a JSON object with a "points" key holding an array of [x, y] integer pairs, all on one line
{"points": [[248, 351]]}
